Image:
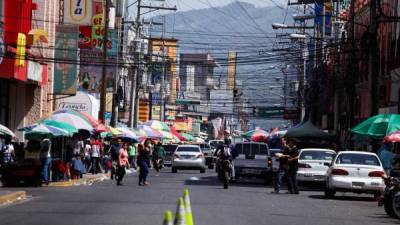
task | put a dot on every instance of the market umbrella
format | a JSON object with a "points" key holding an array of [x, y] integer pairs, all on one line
{"points": [[4, 131], [392, 137], [157, 125], [126, 133], [39, 131], [257, 134], [166, 135], [60, 125], [73, 118], [148, 132], [188, 137], [378, 126], [98, 127], [176, 133]]}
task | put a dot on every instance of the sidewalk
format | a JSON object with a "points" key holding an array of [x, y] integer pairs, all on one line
{"points": [[8, 197], [88, 179]]}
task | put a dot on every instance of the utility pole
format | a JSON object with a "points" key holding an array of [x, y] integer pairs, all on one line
{"points": [[162, 103], [374, 60], [103, 93], [134, 101], [134, 73]]}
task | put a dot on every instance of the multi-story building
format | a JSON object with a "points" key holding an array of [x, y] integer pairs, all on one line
{"points": [[27, 32], [196, 73]]}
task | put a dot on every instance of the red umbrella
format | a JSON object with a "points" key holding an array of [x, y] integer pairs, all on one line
{"points": [[99, 127], [393, 137]]}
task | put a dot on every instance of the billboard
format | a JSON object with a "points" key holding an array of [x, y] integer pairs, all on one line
{"points": [[78, 12], [66, 54], [231, 70], [90, 78]]}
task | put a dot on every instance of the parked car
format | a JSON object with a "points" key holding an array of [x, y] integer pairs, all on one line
{"points": [[253, 161], [354, 171], [208, 154], [312, 166], [188, 157], [214, 144], [169, 152]]}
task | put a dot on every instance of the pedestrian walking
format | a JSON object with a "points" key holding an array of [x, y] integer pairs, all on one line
{"points": [[95, 155], [115, 147], [292, 154], [132, 155], [86, 153], [45, 158], [386, 156], [278, 171], [143, 163], [158, 155], [106, 157], [123, 163]]}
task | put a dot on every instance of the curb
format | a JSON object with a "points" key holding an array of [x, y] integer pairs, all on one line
{"points": [[84, 181], [12, 197]]}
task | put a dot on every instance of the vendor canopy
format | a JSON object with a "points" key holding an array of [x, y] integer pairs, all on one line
{"points": [[309, 131]]}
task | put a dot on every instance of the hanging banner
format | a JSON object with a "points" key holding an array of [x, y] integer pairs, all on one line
{"points": [[90, 78], [319, 21], [328, 18], [66, 55], [78, 12], [231, 70]]}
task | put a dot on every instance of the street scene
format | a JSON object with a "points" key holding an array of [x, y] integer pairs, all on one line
{"points": [[184, 112]]}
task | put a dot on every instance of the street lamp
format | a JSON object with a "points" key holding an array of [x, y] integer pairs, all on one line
{"points": [[277, 26], [303, 17]]}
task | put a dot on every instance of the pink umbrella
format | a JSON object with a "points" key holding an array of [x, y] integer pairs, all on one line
{"points": [[392, 137]]}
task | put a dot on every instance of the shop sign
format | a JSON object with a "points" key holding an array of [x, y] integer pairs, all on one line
{"points": [[35, 71], [78, 12], [66, 53], [85, 37], [80, 107]]}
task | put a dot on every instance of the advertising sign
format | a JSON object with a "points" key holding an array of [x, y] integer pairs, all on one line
{"points": [[35, 71], [90, 78], [66, 54], [85, 37], [78, 12], [328, 18], [231, 70]]}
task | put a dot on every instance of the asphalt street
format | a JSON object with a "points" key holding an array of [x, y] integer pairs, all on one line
{"points": [[244, 203]]}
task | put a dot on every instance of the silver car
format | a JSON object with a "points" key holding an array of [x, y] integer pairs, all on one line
{"points": [[311, 164], [353, 171], [188, 157]]}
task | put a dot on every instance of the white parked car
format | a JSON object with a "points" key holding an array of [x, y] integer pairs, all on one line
{"points": [[312, 166], [188, 157], [353, 171]]}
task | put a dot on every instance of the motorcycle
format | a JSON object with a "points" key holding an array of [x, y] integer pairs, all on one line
{"points": [[391, 197], [225, 172], [158, 164]]}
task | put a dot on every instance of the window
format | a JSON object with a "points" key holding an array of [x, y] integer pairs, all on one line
{"points": [[188, 149], [190, 69], [358, 159], [317, 155]]}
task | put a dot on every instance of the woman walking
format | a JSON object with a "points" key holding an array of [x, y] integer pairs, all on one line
{"points": [[143, 163], [123, 162]]}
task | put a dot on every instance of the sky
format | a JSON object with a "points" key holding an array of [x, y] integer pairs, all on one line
{"points": [[185, 5]]}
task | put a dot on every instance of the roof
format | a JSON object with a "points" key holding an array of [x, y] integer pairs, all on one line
{"points": [[357, 152], [316, 149]]}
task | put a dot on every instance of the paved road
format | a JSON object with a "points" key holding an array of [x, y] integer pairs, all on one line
{"points": [[243, 204]]}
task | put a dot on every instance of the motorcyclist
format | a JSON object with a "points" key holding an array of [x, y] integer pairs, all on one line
{"points": [[226, 151]]}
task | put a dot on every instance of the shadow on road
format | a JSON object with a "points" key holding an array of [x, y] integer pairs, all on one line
{"points": [[345, 198], [384, 218]]}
